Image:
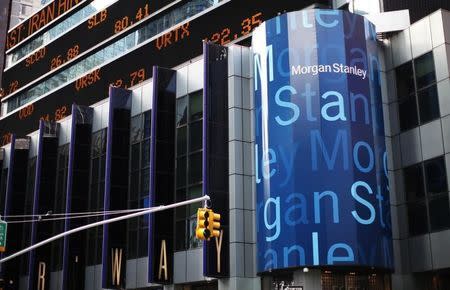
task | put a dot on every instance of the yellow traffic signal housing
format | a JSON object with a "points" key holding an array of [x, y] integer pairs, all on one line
{"points": [[202, 230], [214, 224]]}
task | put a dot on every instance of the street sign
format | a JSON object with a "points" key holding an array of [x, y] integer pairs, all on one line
{"points": [[3, 228]]}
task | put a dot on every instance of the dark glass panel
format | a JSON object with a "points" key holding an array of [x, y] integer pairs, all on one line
{"points": [[136, 129], [145, 181], [132, 244], [195, 191], [425, 72], [414, 184], [195, 136], [192, 210], [180, 235], [407, 109], [181, 194], [181, 172], [405, 80], [134, 185], [417, 217], [195, 106], [135, 157], [143, 242], [181, 111], [181, 140], [195, 168], [428, 104], [439, 213], [180, 213], [143, 220], [102, 167], [436, 175], [95, 170], [145, 154], [147, 124]]}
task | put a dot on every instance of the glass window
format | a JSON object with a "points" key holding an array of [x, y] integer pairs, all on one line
{"points": [[413, 180], [417, 92], [405, 80], [96, 193], [180, 230], [189, 166], [195, 168], [436, 176], [194, 192], [60, 202], [428, 104], [407, 108], [181, 111], [181, 171], [139, 181], [146, 153], [417, 217], [195, 106], [145, 177], [147, 124], [425, 73], [180, 194], [181, 141], [440, 213], [427, 196], [135, 157], [136, 129], [195, 136]]}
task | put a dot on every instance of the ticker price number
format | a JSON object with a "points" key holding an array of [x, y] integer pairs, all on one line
{"points": [[247, 25], [60, 60], [135, 78], [124, 22]]}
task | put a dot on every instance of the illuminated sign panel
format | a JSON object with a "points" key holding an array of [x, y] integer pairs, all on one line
{"points": [[320, 155], [229, 22], [101, 26], [40, 19]]}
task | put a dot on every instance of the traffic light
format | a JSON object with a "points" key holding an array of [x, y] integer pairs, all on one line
{"points": [[202, 231], [214, 224]]}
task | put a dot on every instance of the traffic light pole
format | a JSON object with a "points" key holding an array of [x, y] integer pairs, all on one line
{"points": [[108, 221]]}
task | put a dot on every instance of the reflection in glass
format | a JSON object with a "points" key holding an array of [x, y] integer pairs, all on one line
{"points": [[425, 73], [181, 111], [195, 106]]}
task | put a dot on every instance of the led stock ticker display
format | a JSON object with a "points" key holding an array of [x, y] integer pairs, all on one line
{"points": [[182, 43], [321, 176], [40, 19], [101, 26]]}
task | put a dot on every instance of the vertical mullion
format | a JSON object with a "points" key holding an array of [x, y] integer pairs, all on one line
{"points": [[188, 166], [416, 96], [424, 177]]}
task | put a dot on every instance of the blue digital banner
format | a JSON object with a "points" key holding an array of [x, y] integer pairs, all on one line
{"points": [[320, 154]]}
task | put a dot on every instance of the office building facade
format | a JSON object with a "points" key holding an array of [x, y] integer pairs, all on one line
{"points": [[114, 106]]}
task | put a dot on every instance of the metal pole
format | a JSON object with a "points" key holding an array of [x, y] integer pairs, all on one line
{"points": [[85, 227]]}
